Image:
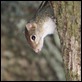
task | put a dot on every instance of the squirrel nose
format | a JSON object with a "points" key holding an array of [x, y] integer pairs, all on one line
{"points": [[37, 50]]}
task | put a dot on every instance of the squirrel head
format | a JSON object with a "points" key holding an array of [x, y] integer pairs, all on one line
{"points": [[36, 31], [34, 36]]}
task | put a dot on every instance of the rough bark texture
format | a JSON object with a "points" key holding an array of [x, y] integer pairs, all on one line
{"points": [[68, 14]]}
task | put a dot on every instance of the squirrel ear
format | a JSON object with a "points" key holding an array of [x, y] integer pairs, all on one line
{"points": [[28, 26]]}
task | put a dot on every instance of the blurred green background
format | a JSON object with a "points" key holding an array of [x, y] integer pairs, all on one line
{"points": [[18, 61]]}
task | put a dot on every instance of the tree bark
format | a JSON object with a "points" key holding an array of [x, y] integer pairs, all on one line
{"points": [[68, 15]]}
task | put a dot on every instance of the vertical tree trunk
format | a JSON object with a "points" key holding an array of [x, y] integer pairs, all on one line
{"points": [[68, 14]]}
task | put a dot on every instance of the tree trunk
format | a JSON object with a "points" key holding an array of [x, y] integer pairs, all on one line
{"points": [[68, 15]]}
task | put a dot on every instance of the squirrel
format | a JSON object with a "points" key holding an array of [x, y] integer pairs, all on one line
{"points": [[40, 26]]}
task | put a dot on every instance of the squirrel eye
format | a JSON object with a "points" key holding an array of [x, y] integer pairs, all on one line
{"points": [[33, 37]]}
